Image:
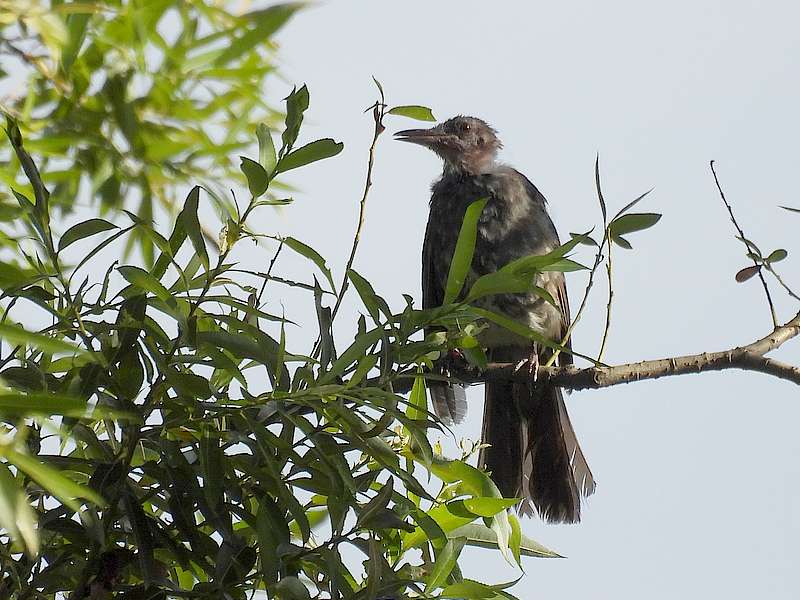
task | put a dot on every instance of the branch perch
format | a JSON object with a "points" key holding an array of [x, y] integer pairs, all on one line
{"points": [[750, 357]]}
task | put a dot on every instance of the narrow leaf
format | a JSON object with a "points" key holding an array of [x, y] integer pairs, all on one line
{"points": [[599, 188], [145, 281], [17, 335], [312, 255], [412, 111], [316, 150], [445, 561], [461, 262], [266, 148], [84, 230], [296, 105], [51, 479], [192, 225], [633, 222]]}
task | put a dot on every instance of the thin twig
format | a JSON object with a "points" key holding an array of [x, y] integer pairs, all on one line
{"points": [[780, 281], [598, 259], [377, 113], [268, 274], [608, 305], [744, 237]]}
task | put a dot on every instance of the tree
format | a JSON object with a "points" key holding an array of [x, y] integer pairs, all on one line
{"points": [[163, 436]]}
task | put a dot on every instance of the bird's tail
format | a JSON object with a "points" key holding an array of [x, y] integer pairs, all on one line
{"points": [[449, 401], [532, 451]]}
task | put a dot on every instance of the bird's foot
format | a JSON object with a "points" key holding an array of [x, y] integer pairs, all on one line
{"points": [[532, 363]]}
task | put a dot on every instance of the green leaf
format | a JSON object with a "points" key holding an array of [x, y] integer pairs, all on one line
{"points": [[52, 480], [296, 105], [16, 515], [515, 542], [564, 265], [376, 506], [380, 88], [142, 279], [631, 204], [633, 222], [40, 403], [312, 255], [776, 255], [751, 246], [316, 150], [621, 242], [584, 238], [17, 335], [213, 470], [266, 22], [461, 262], [257, 176], [599, 187], [412, 111], [488, 507], [272, 532], [76, 33], [84, 230], [266, 148], [367, 295], [516, 327], [468, 588], [12, 276], [418, 399], [191, 222], [481, 536], [446, 559]]}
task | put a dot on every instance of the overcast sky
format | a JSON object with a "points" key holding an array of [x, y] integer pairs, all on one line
{"points": [[697, 476]]}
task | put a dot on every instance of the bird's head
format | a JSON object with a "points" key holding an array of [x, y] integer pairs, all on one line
{"points": [[466, 144]]}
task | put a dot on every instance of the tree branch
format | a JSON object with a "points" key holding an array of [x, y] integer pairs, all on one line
{"points": [[750, 357]]}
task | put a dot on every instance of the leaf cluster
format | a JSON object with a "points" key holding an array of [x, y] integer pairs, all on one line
{"points": [[163, 438], [134, 100]]}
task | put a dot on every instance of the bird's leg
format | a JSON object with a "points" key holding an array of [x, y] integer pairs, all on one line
{"points": [[533, 366]]}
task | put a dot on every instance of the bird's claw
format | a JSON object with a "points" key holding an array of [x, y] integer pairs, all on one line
{"points": [[533, 366]]}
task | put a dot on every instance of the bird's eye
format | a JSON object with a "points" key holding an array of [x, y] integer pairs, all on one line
{"points": [[465, 127]]}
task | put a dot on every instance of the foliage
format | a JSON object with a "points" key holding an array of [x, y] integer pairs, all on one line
{"points": [[130, 99], [145, 452]]}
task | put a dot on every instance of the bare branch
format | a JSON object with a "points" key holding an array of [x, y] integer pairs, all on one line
{"points": [[744, 237], [750, 357]]}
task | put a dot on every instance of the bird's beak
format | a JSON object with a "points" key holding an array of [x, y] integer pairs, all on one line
{"points": [[431, 138]]}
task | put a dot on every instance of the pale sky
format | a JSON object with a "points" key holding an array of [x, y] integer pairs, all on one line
{"points": [[698, 477]]}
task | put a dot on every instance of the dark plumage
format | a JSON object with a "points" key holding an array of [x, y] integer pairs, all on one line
{"points": [[533, 452]]}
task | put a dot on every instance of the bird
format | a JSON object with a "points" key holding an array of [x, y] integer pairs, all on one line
{"points": [[529, 447]]}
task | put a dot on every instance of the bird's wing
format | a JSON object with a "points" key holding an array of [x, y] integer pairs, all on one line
{"points": [[557, 283], [432, 289], [449, 401]]}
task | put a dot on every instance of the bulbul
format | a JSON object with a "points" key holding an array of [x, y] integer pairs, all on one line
{"points": [[532, 452]]}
